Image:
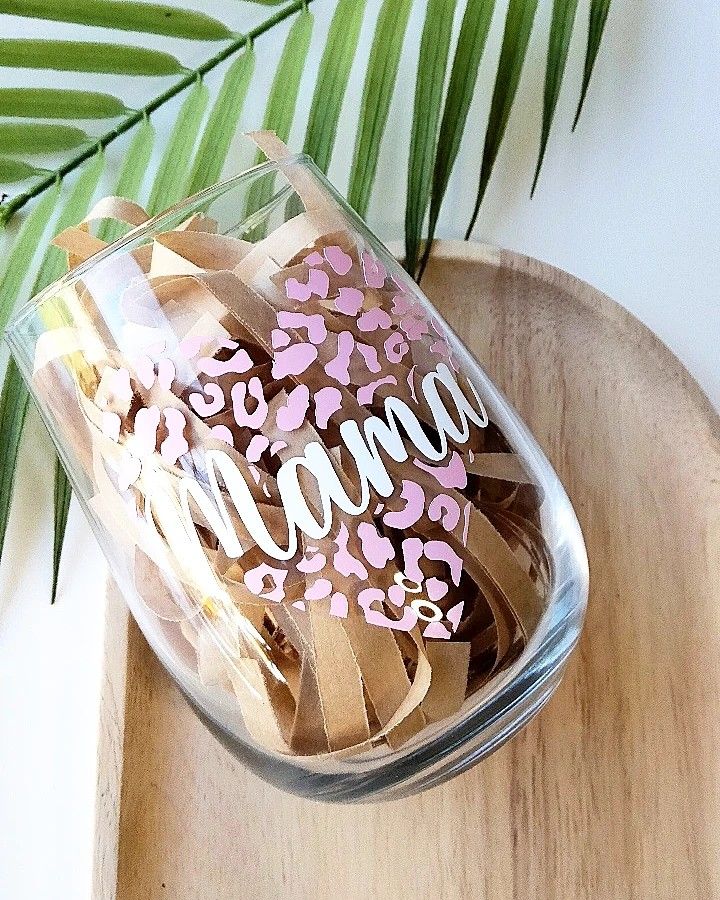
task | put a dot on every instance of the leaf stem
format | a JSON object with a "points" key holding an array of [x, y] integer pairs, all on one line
{"points": [[10, 208]]}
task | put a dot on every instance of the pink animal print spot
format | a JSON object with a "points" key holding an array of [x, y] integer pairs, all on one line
{"points": [[370, 355], [255, 582], [279, 338], [440, 348], [257, 446], [238, 363], [374, 617], [128, 471], [222, 433], [145, 370], [111, 425], [314, 259], [373, 319], [377, 550], [414, 508], [349, 301], [374, 271], [340, 262], [414, 327], [339, 605], [452, 475], [403, 304], [312, 562], [444, 508], [338, 367], [318, 283], [412, 554], [439, 550], [436, 630], [328, 400], [436, 589], [395, 347], [174, 446], [239, 393], [343, 561], [366, 393], [147, 421], [277, 446], [294, 361], [205, 408], [314, 324], [292, 415], [319, 590]]}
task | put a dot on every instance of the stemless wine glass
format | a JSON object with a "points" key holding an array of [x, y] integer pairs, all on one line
{"points": [[339, 539]]}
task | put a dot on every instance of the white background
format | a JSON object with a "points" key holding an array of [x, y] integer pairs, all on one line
{"points": [[628, 202]]}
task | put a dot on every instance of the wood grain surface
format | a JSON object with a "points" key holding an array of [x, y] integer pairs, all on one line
{"points": [[614, 790]]}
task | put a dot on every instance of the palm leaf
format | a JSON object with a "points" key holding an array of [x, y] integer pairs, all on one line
{"points": [[14, 170], [56, 103], [222, 123], [132, 174], [563, 19], [61, 505], [332, 80], [36, 137], [172, 171], [22, 252], [463, 77], [13, 407], [377, 93], [282, 100], [86, 56], [518, 25], [432, 64], [124, 15], [598, 17], [51, 268], [76, 206]]}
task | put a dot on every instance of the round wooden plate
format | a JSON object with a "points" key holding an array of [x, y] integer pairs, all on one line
{"points": [[614, 790]]}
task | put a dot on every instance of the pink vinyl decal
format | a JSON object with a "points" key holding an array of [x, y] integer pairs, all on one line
{"points": [[239, 393], [111, 423], [147, 421], [291, 416], [377, 550], [257, 446], [328, 400], [165, 373], [314, 324], [312, 561], [374, 271], [436, 630], [339, 366], [277, 446], [446, 509], [294, 360], [175, 444], [374, 319], [145, 371], [205, 408], [222, 433], [279, 338], [340, 262], [255, 582], [395, 347], [318, 283], [314, 259], [452, 475], [319, 590], [454, 615], [238, 363], [343, 561], [366, 393], [368, 596], [414, 507], [415, 328], [439, 550], [339, 605], [349, 301], [370, 355], [436, 589], [128, 471]]}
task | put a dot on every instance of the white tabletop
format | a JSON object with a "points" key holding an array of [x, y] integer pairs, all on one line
{"points": [[628, 202]]}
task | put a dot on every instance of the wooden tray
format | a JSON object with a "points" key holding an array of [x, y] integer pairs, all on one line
{"points": [[614, 790]]}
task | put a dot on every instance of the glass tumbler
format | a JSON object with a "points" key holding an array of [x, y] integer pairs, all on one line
{"points": [[337, 536]]}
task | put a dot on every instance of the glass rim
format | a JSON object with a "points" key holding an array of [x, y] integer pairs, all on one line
{"points": [[34, 303]]}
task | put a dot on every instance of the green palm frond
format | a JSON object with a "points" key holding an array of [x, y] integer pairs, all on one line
{"points": [[49, 121]]}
